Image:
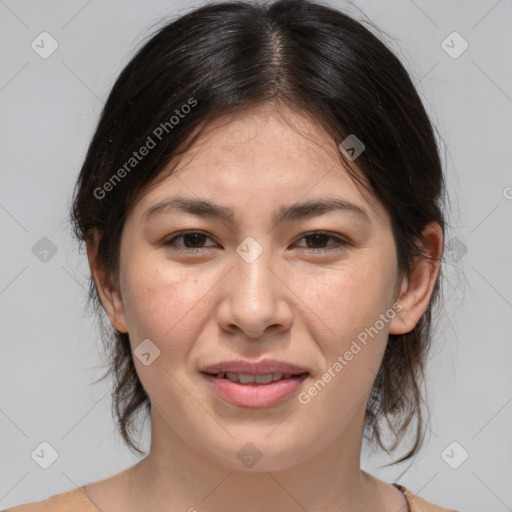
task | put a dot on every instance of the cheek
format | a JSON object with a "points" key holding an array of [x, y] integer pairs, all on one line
{"points": [[349, 304], [160, 304], [346, 302]]}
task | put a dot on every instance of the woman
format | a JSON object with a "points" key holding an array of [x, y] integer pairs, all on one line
{"points": [[262, 209]]}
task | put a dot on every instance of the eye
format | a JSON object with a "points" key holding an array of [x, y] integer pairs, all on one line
{"points": [[193, 241], [320, 238]]}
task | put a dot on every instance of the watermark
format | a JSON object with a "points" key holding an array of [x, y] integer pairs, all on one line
{"points": [[507, 192], [351, 147], [146, 352], [44, 45], [44, 454], [249, 454], [44, 250], [343, 360], [454, 45], [456, 249], [454, 455], [150, 143], [249, 250]]}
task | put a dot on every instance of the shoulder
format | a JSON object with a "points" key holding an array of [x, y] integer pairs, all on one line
{"points": [[418, 504], [75, 500]]}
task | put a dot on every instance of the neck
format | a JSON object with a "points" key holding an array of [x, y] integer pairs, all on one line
{"points": [[177, 473]]}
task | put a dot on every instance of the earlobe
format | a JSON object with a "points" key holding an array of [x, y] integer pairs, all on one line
{"points": [[109, 294], [417, 288]]}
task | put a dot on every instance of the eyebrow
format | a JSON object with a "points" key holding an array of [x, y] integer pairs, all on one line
{"points": [[204, 208]]}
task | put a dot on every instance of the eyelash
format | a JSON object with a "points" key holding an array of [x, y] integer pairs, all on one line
{"points": [[200, 250]]}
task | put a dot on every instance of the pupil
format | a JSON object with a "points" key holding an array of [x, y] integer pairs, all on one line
{"points": [[196, 238], [318, 238]]}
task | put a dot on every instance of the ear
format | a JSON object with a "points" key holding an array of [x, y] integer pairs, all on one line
{"points": [[109, 294], [417, 288]]}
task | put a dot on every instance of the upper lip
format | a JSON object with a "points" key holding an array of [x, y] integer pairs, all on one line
{"points": [[263, 367]]}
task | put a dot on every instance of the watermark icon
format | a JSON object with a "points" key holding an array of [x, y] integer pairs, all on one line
{"points": [[150, 143], [454, 45], [44, 455], [249, 249], [454, 455], [343, 360], [44, 45], [249, 454], [456, 249], [351, 147], [146, 352], [507, 192], [44, 250]]}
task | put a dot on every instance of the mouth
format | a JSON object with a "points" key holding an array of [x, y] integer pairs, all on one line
{"points": [[254, 391], [247, 369], [256, 379]]}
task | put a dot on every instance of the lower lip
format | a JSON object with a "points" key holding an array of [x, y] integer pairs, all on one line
{"points": [[255, 396]]}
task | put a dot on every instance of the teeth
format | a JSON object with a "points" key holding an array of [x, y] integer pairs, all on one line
{"points": [[263, 379], [244, 378]]}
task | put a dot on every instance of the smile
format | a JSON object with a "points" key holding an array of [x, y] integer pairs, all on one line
{"points": [[254, 391], [245, 378]]}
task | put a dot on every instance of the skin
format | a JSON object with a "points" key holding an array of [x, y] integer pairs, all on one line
{"points": [[292, 303]]}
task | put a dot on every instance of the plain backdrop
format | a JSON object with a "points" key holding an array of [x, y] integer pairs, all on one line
{"points": [[50, 350]]}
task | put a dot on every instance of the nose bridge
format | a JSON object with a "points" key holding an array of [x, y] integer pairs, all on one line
{"points": [[252, 296], [253, 278]]}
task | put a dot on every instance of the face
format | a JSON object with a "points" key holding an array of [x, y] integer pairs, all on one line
{"points": [[310, 287]]}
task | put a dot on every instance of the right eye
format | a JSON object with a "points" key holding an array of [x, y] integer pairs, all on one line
{"points": [[193, 241]]}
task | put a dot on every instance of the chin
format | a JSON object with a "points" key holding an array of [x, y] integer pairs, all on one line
{"points": [[259, 453]]}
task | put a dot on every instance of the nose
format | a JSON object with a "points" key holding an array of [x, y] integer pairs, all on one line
{"points": [[255, 298]]}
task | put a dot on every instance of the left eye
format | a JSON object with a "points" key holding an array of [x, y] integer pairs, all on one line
{"points": [[321, 238], [194, 240]]}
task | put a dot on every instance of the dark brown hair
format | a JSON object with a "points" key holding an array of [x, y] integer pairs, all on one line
{"points": [[221, 59]]}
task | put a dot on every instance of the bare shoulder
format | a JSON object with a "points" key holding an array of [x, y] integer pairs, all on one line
{"points": [[113, 493], [75, 500], [415, 503], [418, 504]]}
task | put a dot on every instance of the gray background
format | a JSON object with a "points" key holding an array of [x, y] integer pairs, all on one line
{"points": [[50, 349]]}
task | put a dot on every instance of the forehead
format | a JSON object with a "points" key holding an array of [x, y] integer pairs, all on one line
{"points": [[265, 136], [265, 155]]}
